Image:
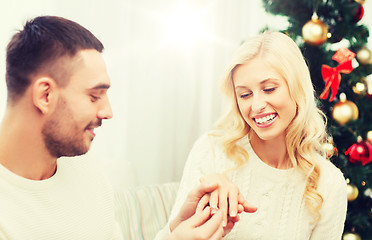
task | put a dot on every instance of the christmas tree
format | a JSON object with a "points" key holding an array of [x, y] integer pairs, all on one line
{"points": [[333, 42]]}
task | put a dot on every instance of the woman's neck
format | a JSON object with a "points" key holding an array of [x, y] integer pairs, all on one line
{"points": [[272, 152]]}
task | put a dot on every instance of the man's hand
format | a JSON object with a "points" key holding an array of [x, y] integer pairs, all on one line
{"points": [[200, 226], [190, 224], [189, 207]]}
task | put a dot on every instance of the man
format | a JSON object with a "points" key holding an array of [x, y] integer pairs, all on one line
{"points": [[57, 95]]}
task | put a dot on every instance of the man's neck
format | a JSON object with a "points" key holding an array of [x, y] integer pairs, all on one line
{"points": [[29, 169], [22, 149]]}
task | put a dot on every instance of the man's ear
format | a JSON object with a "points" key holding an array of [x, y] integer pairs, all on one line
{"points": [[44, 94]]}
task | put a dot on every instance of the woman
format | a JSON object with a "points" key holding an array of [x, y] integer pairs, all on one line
{"points": [[269, 145]]}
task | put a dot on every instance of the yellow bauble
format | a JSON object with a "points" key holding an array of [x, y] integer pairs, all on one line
{"points": [[360, 1], [344, 110], [360, 88], [369, 84], [315, 31], [329, 149], [369, 137], [351, 236], [364, 56], [352, 192], [368, 193]]}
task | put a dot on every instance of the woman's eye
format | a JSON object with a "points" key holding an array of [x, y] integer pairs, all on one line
{"points": [[245, 95], [268, 90]]}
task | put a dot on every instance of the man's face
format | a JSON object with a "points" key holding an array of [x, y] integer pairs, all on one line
{"points": [[81, 106]]}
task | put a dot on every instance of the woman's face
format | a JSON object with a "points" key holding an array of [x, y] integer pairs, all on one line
{"points": [[263, 99]]}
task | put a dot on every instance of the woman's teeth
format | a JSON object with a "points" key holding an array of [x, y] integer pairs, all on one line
{"points": [[265, 119]]}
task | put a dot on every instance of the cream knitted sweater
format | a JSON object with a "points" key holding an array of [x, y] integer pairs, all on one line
{"points": [[278, 195], [75, 203]]}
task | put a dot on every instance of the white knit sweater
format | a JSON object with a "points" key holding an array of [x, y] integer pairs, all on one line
{"points": [[75, 203], [278, 195]]}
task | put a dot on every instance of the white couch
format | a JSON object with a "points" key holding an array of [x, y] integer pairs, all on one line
{"points": [[142, 211]]}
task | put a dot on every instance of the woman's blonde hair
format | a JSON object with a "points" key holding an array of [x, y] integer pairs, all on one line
{"points": [[306, 133]]}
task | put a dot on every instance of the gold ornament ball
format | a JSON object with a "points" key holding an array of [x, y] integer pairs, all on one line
{"points": [[368, 193], [344, 110], [351, 236], [352, 192], [364, 56], [329, 149], [369, 137], [360, 88], [368, 81], [315, 32], [360, 1]]}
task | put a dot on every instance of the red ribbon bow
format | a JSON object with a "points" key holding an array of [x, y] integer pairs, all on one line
{"points": [[332, 76]]}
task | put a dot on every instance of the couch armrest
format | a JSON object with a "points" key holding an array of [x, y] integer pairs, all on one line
{"points": [[143, 211]]}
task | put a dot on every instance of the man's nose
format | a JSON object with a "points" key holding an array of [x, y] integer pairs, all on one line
{"points": [[105, 110]]}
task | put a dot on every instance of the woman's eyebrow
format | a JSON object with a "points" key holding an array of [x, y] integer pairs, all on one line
{"points": [[269, 80]]}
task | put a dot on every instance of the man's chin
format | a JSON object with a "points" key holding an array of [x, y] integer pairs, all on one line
{"points": [[75, 152]]}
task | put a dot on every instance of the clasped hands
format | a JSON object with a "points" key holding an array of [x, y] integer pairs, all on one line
{"points": [[211, 210]]}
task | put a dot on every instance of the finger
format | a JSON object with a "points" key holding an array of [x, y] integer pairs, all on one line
{"points": [[202, 189], [222, 204], [228, 228], [240, 208], [233, 219], [200, 218], [247, 207], [202, 203], [233, 202], [210, 227], [213, 201], [241, 199], [218, 234]]}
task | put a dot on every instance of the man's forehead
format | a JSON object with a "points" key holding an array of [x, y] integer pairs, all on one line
{"points": [[89, 70]]}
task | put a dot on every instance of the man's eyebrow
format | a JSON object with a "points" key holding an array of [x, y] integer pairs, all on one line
{"points": [[100, 86]]}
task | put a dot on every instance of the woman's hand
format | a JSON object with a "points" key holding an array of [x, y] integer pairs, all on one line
{"points": [[227, 198]]}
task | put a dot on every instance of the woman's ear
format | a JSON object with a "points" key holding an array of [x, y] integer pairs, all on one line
{"points": [[44, 94]]}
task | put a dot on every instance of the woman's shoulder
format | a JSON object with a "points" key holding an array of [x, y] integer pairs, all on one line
{"points": [[330, 176], [208, 140], [327, 168]]}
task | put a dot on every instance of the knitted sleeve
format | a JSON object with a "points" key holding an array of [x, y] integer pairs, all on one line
{"points": [[2, 235], [199, 163], [333, 212]]}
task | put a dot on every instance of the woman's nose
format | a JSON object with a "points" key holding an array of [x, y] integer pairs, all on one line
{"points": [[258, 104]]}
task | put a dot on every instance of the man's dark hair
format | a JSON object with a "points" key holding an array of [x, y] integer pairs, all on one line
{"points": [[38, 48]]}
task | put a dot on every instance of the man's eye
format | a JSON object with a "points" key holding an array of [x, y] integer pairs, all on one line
{"points": [[94, 98]]}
